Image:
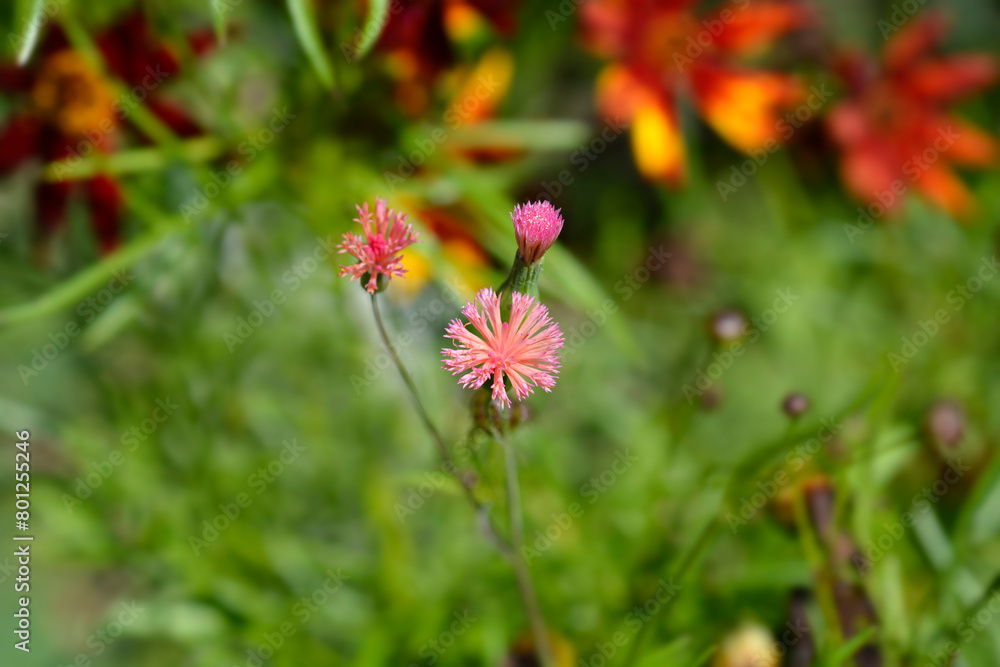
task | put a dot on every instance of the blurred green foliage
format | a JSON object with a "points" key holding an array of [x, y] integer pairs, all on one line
{"points": [[120, 497]]}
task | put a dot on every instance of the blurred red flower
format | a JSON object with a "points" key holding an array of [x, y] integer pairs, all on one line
{"points": [[423, 29], [65, 109], [661, 50], [419, 39], [895, 129]]}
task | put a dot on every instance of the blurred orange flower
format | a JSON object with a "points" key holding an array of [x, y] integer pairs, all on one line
{"points": [[662, 49], [65, 109], [895, 129]]}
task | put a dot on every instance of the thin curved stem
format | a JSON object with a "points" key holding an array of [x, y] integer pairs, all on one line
{"points": [[543, 647], [449, 464]]}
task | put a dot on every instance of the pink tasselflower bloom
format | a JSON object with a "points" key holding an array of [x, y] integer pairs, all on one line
{"points": [[523, 349], [378, 249], [536, 227]]}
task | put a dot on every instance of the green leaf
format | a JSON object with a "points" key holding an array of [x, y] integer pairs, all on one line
{"points": [[378, 16], [675, 653], [135, 160], [32, 22], [80, 285], [979, 520], [219, 10], [309, 39], [844, 653], [533, 135]]}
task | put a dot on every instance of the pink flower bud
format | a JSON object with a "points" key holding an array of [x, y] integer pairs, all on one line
{"points": [[536, 226]]}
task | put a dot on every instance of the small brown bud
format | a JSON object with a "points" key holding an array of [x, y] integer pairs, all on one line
{"points": [[945, 423], [795, 405]]}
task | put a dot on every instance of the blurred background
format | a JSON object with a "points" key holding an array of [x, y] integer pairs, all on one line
{"points": [[773, 440]]}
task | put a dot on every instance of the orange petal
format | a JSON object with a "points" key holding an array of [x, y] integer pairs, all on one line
{"points": [[947, 79], [913, 40], [603, 24], [942, 187], [972, 146], [754, 26], [484, 88], [658, 145], [743, 107], [620, 93]]}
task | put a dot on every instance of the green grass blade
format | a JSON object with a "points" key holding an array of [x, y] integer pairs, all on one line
{"points": [[378, 16], [308, 35], [32, 21]]}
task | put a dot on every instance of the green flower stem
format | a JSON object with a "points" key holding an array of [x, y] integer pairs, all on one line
{"points": [[522, 278], [449, 464], [539, 630]]}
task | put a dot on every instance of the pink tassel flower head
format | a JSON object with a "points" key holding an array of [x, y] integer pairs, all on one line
{"points": [[536, 226], [378, 249], [524, 349]]}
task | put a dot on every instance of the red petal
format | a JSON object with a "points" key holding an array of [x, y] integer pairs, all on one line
{"points": [[419, 30], [748, 29], [132, 52], [915, 39], [20, 139], [604, 25], [847, 124], [51, 201], [948, 79], [14, 79], [202, 42], [105, 201], [869, 172], [173, 116]]}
